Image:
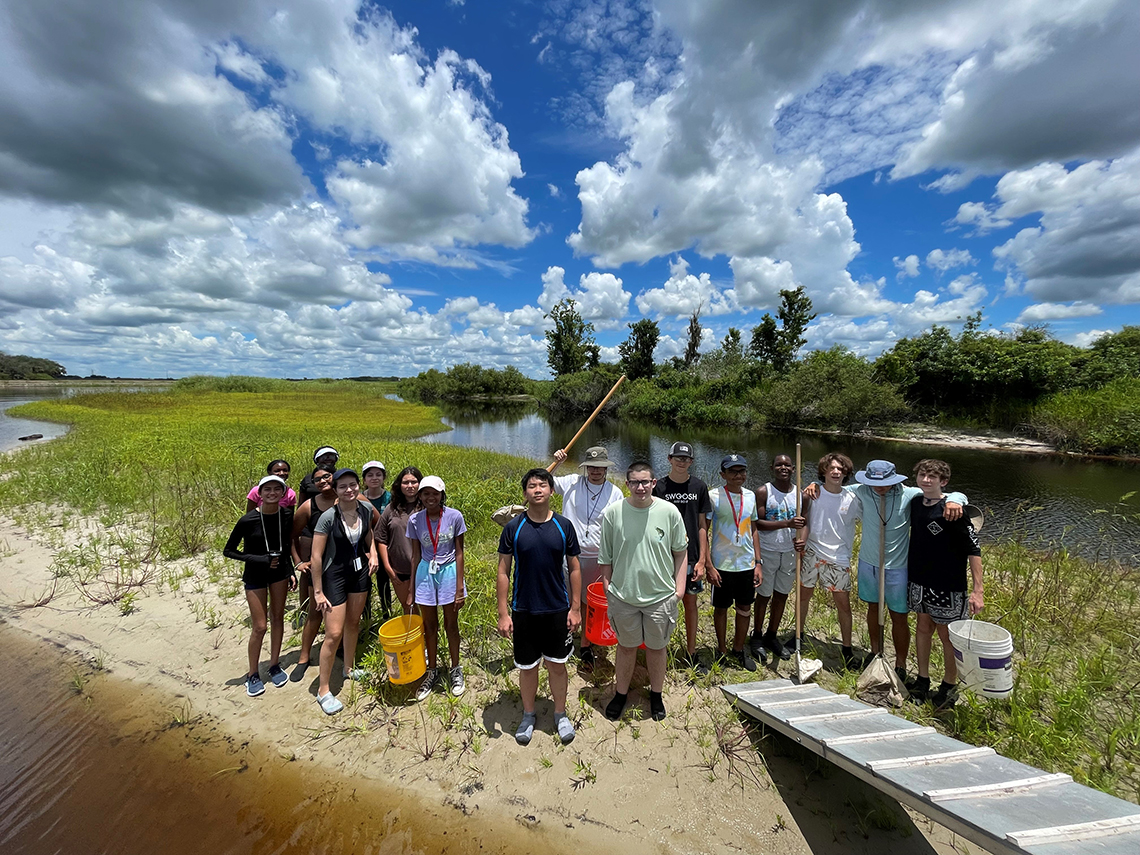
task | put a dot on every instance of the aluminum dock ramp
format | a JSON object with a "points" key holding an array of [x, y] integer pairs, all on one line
{"points": [[998, 803]]}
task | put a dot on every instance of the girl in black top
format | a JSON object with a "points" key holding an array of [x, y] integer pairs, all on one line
{"points": [[266, 536], [303, 522]]}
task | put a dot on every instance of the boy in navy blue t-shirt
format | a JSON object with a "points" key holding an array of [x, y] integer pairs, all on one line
{"points": [[541, 614]]}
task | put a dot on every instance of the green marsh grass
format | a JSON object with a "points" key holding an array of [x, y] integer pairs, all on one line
{"points": [[165, 476]]}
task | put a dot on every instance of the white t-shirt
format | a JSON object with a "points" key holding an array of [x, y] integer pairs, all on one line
{"points": [[582, 504], [831, 526], [779, 506]]}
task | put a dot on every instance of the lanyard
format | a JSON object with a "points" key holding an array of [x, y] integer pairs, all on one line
{"points": [[735, 516], [434, 537], [348, 535], [265, 534]]}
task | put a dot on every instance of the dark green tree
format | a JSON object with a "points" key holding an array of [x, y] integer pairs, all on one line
{"points": [[778, 346], [570, 346], [14, 367], [693, 347], [637, 350], [732, 346]]}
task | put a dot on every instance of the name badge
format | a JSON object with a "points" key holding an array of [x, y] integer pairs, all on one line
{"points": [[356, 564], [433, 567]]}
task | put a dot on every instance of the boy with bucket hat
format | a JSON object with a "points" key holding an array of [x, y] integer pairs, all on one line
{"points": [[584, 498]]}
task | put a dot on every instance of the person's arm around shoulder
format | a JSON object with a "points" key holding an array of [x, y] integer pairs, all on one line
{"points": [[954, 503]]}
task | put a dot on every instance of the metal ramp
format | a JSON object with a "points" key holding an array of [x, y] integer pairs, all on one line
{"points": [[998, 803]]}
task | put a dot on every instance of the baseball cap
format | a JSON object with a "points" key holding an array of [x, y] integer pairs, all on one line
{"points": [[731, 460], [271, 479], [433, 481], [373, 464], [681, 449], [323, 450]]}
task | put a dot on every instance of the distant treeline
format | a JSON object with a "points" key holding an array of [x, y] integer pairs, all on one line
{"points": [[29, 368], [1080, 399]]}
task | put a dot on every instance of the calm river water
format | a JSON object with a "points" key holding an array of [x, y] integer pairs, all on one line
{"points": [[1052, 499]]}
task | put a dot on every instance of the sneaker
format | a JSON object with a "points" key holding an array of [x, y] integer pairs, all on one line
{"points": [[458, 686], [616, 706], [901, 671], [565, 728], [692, 660], [526, 729], [278, 677], [774, 644], [355, 674], [743, 660], [657, 706], [945, 697], [919, 689], [586, 658], [329, 703], [298, 672], [254, 686], [431, 677], [756, 645]]}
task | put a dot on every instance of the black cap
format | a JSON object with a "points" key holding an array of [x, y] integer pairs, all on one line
{"points": [[681, 449], [731, 460]]}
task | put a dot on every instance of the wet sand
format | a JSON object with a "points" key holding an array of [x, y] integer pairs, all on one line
{"points": [[380, 777]]}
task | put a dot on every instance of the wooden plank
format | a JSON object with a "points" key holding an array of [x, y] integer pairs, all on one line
{"points": [[877, 766], [834, 715], [998, 789], [876, 735], [1075, 833]]}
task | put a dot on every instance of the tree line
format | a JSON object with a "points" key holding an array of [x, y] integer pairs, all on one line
{"points": [[15, 367]]}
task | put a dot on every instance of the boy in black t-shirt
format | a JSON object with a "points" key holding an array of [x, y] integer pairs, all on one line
{"points": [[690, 495], [541, 615], [936, 590]]}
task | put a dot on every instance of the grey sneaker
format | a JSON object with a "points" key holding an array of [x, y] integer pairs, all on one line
{"points": [[431, 677], [458, 686]]}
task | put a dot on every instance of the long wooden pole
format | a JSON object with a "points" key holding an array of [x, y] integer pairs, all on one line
{"points": [[799, 555], [586, 424]]}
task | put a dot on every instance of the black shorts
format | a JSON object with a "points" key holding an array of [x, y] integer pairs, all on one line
{"points": [[736, 586], [258, 576], [538, 637], [338, 582]]}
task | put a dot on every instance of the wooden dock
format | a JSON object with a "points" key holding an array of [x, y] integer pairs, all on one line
{"points": [[998, 803]]}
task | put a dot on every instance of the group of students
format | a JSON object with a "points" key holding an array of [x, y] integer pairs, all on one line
{"points": [[329, 541], [650, 551], [654, 549]]}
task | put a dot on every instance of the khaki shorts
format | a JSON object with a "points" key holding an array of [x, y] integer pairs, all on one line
{"points": [[779, 573], [649, 625], [829, 576]]}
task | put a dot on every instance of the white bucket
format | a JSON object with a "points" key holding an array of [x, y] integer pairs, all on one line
{"points": [[985, 657]]}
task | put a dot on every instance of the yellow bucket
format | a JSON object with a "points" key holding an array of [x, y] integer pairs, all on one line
{"points": [[402, 639]]}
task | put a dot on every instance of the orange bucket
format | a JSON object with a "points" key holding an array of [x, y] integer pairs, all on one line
{"points": [[598, 630]]}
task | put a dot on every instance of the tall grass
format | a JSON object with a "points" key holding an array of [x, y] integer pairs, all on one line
{"points": [[1104, 420], [169, 472]]}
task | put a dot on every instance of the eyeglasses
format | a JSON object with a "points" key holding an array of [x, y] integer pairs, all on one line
{"points": [[634, 485]]}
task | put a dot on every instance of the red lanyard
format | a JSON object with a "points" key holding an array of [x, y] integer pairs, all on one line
{"points": [[735, 516], [434, 537]]}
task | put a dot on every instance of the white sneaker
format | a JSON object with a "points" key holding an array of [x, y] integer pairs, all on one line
{"points": [[458, 687], [431, 677]]}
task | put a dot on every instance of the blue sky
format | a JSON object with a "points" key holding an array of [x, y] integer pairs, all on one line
{"points": [[326, 189]]}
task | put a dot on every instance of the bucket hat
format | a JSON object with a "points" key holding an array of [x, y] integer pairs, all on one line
{"points": [[598, 456], [879, 473]]}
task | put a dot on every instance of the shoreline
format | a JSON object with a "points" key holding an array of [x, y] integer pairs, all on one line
{"points": [[461, 754]]}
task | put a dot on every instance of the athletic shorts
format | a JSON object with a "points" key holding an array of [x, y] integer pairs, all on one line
{"points": [[538, 637], [649, 625], [338, 582], [828, 575], [438, 588], [944, 607], [779, 573], [896, 586], [258, 576], [736, 586]]}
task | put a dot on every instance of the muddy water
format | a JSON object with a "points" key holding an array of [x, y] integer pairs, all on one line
{"points": [[89, 764]]}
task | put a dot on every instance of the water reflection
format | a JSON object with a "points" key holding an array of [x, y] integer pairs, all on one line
{"points": [[1054, 499]]}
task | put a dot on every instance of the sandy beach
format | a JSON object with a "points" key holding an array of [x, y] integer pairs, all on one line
{"points": [[690, 784]]}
